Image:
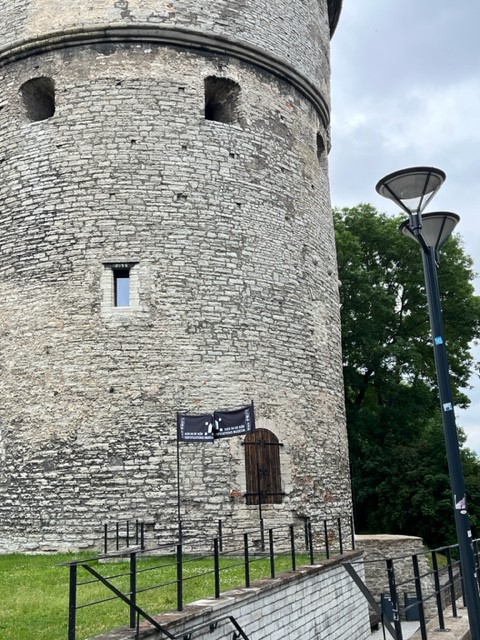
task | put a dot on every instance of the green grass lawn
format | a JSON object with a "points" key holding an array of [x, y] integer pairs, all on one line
{"points": [[34, 591]]}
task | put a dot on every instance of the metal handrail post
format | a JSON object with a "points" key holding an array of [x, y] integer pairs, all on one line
{"points": [[438, 592], [72, 603], [133, 589], [394, 598], [310, 543], [325, 535], [105, 538], [272, 553], [292, 548], [451, 581], [418, 591], [179, 578], [246, 559], [306, 533], [216, 565]]}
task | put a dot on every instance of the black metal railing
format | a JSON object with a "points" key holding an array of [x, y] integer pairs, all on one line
{"points": [[415, 587], [120, 534], [123, 534], [167, 567]]}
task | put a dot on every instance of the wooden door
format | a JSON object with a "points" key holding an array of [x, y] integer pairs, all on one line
{"points": [[262, 468]]}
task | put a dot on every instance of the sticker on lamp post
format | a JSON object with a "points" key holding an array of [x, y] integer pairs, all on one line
{"points": [[461, 505]]}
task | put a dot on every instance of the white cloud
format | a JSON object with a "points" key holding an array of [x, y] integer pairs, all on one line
{"points": [[406, 92], [422, 120]]}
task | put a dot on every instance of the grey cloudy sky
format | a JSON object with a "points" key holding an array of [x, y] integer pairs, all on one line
{"points": [[406, 92]]}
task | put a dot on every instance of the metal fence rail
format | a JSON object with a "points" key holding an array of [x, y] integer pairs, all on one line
{"points": [[416, 587], [118, 535], [168, 567]]}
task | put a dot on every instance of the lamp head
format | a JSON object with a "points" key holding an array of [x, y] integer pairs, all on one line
{"points": [[413, 188], [437, 227]]}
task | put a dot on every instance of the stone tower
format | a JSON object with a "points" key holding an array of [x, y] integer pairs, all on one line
{"points": [[166, 245]]}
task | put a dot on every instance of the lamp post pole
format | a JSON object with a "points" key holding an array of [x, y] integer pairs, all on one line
{"points": [[457, 483], [412, 189]]}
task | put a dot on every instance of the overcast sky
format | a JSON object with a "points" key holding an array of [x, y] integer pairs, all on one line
{"points": [[406, 92]]}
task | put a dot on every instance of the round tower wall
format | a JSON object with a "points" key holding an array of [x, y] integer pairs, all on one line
{"points": [[228, 233]]}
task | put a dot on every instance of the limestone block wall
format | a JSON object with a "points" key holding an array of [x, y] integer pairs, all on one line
{"points": [[226, 229], [271, 28], [378, 548]]}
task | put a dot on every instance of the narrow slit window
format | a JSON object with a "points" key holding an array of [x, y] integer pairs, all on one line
{"points": [[38, 96], [121, 287], [222, 100], [320, 147]]}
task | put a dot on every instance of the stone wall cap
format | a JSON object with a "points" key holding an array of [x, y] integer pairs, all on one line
{"points": [[387, 537]]}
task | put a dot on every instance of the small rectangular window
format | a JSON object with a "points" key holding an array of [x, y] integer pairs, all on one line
{"points": [[121, 287], [120, 282]]}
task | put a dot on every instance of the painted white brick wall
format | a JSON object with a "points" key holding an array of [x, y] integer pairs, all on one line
{"points": [[320, 602]]}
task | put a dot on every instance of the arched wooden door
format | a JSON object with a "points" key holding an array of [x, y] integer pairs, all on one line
{"points": [[262, 468]]}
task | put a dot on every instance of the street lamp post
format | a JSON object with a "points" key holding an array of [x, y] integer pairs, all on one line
{"points": [[412, 189]]}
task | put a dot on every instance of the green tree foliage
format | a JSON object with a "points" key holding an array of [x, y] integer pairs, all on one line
{"points": [[397, 450]]}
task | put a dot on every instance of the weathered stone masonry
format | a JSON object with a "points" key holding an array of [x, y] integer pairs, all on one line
{"points": [[227, 232]]}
